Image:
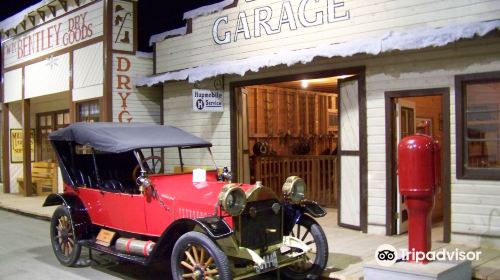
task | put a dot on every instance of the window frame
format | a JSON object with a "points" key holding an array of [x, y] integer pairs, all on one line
{"points": [[464, 172], [87, 102]]}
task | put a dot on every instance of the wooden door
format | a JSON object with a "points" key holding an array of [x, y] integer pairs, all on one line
{"points": [[405, 126], [349, 154], [243, 156]]}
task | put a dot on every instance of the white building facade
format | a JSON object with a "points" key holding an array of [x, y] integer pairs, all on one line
{"points": [[395, 68], [66, 62]]}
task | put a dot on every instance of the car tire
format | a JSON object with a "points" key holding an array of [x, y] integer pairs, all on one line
{"points": [[62, 237], [186, 260], [308, 230]]}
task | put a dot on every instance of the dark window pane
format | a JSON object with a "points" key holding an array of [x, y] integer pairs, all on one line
{"points": [[484, 154], [482, 117], [89, 111]]}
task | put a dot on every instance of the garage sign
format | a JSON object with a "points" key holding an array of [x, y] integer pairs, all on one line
{"points": [[208, 100]]}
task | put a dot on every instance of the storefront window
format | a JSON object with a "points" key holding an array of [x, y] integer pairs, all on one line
{"points": [[478, 123], [89, 111], [46, 123]]}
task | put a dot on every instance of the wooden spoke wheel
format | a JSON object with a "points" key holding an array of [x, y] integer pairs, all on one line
{"points": [[313, 262], [63, 237], [195, 256]]}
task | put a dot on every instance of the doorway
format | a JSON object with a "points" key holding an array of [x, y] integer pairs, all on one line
{"points": [[418, 112], [308, 125]]}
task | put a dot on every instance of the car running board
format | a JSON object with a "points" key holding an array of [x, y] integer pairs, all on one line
{"points": [[109, 250]]}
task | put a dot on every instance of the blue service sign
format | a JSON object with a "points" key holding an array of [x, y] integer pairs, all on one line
{"points": [[205, 100]]}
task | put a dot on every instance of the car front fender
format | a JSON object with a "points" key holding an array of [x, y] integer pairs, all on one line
{"points": [[293, 213], [214, 227]]}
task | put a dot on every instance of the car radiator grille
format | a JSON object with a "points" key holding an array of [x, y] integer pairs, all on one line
{"points": [[263, 228]]}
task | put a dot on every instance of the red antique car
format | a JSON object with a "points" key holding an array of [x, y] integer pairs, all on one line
{"points": [[121, 199]]}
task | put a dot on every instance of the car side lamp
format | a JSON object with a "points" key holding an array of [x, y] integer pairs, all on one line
{"points": [[144, 182], [226, 175]]}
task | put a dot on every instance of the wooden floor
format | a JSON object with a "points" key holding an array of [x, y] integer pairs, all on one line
{"points": [[349, 249]]}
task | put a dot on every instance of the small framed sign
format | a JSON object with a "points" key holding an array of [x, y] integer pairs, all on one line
{"points": [[208, 100], [17, 145]]}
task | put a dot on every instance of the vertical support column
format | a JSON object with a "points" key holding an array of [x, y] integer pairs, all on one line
{"points": [[27, 147], [106, 100], [5, 148], [72, 105]]}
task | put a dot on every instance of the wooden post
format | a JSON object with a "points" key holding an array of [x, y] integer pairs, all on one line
{"points": [[27, 147], [105, 103], [5, 148]]}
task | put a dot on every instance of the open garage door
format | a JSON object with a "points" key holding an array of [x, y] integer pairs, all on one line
{"points": [[349, 154]]}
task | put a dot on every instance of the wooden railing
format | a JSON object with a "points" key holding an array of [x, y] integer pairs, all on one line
{"points": [[319, 173]]}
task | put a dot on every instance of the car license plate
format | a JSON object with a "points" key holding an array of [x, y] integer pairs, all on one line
{"points": [[270, 262]]}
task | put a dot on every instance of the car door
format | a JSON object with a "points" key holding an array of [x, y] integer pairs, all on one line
{"points": [[120, 211]]}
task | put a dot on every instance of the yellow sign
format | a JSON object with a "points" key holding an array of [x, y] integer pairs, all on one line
{"points": [[105, 237], [17, 146]]}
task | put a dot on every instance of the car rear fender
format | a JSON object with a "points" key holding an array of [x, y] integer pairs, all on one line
{"points": [[79, 215], [214, 227]]}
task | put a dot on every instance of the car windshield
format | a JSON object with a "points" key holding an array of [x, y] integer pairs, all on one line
{"points": [[175, 160]]}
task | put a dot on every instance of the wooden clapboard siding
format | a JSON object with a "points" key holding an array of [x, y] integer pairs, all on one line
{"points": [[367, 19], [40, 79], [143, 103], [94, 14], [430, 71], [213, 127], [428, 68], [13, 85], [88, 73]]}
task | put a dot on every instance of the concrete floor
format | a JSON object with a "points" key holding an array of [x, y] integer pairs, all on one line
{"points": [[349, 249]]}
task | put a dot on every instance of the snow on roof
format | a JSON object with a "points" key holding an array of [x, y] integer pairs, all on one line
{"points": [[202, 11], [162, 36], [206, 10], [410, 40], [144, 54], [13, 21]]}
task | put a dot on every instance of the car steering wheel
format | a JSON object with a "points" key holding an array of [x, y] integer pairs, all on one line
{"points": [[147, 167]]}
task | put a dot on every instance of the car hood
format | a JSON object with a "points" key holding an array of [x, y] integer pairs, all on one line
{"points": [[190, 200]]}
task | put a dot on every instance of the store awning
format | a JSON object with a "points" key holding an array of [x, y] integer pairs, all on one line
{"points": [[418, 38]]}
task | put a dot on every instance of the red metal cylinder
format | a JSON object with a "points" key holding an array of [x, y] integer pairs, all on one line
{"points": [[416, 166], [417, 172], [419, 226]]}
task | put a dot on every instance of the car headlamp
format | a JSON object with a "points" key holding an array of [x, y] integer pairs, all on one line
{"points": [[232, 199], [294, 189]]}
